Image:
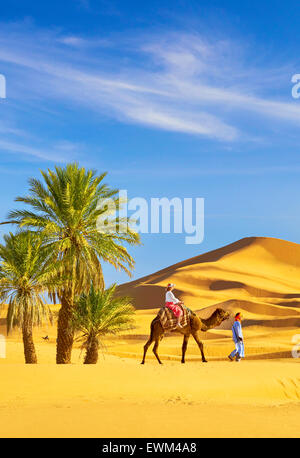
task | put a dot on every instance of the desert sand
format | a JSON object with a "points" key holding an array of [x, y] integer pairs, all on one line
{"points": [[259, 397]]}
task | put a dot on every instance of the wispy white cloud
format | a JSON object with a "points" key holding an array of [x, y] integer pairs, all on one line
{"points": [[79, 42], [200, 123], [60, 152], [176, 82], [72, 40], [20, 143], [8, 129]]}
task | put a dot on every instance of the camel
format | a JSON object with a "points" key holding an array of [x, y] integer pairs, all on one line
{"points": [[194, 326]]}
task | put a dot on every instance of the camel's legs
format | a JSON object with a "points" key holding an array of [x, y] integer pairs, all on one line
{"points": [[156, 334], [146, 346], [184, 347], [200, 345], [156, 347]]}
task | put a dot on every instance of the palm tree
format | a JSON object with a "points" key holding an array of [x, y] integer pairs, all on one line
{"points": [[25, 275], [65, 209], [99, 313]]}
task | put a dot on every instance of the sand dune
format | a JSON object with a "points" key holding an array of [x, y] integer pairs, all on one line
{"points": [[259, 397], [260, 276]]}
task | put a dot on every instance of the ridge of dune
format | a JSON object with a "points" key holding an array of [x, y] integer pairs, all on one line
{"points": [[259, 275]]}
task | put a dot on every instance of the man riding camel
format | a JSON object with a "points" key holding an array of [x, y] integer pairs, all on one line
{"points": [[173, 303]]}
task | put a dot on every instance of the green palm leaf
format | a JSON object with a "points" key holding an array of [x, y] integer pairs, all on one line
{"points": [[65, 209], [25, 276], [99, 313]]}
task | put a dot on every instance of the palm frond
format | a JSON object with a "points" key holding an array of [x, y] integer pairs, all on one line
{"points": [[64, 207], [26, 274], [100, 312]]}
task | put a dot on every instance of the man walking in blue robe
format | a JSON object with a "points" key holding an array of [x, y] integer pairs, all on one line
{"points": [[238, 353]]}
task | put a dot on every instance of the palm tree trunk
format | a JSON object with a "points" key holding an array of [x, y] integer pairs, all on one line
{"points": [[29, 349], [65, 333], [91, 356]]}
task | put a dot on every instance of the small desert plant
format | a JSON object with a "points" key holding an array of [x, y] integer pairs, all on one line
{"points": [[98, 313]]}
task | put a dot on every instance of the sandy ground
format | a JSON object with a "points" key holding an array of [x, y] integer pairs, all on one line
{"points": [[121, 398], [118, 397]]}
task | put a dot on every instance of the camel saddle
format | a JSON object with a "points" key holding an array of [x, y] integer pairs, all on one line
{"points": [[168, 319]]}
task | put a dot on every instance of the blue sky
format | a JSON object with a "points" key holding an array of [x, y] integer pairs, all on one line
{"points": [[182, 98]]}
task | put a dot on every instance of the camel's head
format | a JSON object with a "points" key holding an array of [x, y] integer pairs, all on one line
{"points": [[222, 314]]}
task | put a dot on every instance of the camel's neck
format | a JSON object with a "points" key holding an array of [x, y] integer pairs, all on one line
{"points": [[212, 322]]}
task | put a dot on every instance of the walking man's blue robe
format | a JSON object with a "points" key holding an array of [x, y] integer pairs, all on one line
{"points": [[238, 339]]}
